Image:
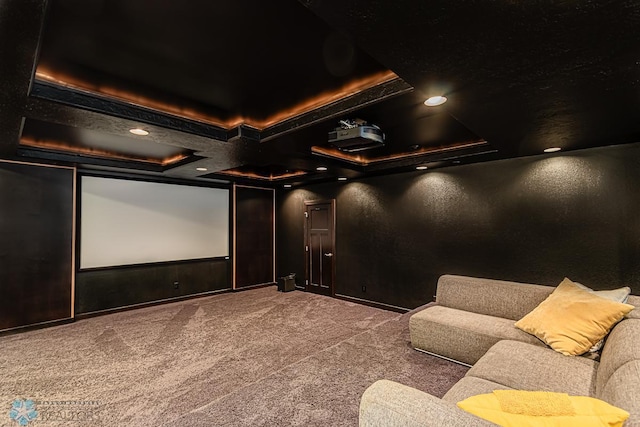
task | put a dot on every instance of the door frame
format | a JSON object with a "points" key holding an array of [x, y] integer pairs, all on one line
{"points": [[332, 217]]}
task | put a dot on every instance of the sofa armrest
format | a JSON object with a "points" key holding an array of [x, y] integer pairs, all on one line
{"points": [[387, 403]]}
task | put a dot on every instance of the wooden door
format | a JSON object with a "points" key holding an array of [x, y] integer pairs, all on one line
{"points": [[320, 247], [37, 234], [253, 236]]}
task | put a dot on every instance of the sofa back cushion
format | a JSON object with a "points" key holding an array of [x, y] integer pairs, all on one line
{"points": [[510, 300], [622, 390], [635, 301], [618, 376]]}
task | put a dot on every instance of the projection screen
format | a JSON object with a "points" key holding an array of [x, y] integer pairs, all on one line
{"points": [[126, 222]]}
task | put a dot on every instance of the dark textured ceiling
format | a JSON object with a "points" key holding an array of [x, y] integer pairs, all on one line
{"points": [[249, 90], [523, 75], [229, 60]]}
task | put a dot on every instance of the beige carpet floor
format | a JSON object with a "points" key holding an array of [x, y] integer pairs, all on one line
{"points": [[252, 358]]}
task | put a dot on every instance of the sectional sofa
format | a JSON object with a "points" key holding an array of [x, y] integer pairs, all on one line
{"points": [[472, 323]]}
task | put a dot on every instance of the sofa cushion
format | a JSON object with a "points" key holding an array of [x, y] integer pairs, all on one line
{"points": [[528, 367], [618, 295], [387, 403], [510, 300], [461, 335], [621, 347], [471, 386], [623, 390], [571, 320], [634, 300]]}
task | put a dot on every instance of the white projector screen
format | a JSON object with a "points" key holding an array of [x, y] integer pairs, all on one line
{"points": [[126, 222]]}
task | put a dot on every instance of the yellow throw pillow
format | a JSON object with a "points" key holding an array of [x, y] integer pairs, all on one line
{"points": [[571, 320], [544, 409], [618, 295]]}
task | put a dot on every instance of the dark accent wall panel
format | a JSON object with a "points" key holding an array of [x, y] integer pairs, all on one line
{"points": [[104, 289], [535, 219], [254, 236], [36, 235]]}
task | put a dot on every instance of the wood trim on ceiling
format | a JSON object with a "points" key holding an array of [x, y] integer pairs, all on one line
{"points": [[44, 165], [349, 89]]}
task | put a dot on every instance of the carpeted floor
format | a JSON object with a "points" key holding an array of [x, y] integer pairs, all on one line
{"points": [[254, 358]]}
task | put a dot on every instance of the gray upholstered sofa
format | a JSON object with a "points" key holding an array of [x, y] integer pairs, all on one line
{"points": [[472, 322]]}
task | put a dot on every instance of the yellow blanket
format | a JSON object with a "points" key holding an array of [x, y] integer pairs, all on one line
{"points": [[515, 408]]}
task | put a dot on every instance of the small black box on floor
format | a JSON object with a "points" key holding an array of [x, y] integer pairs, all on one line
{"points": [[287, 283]]}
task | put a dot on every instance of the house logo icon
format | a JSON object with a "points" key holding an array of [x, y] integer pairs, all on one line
{"points": [[23, 411]]}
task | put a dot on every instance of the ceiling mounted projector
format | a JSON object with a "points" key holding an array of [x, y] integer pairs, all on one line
{"points": [[356, 135]]}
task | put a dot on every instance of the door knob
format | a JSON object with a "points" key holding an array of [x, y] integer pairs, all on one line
{"points": [[329, 254]]}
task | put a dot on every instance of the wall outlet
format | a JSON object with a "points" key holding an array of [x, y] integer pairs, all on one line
{"points": [[176, 285], [364, 288]]}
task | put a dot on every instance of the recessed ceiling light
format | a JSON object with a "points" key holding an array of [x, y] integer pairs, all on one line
{"points": [[202, 169], [342, 178], [421, 168], [138, 131], [435, 101], [321, 168], [552, 149], [287, 186]]}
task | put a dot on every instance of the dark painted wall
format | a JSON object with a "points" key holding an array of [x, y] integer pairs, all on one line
{"points": [[254, 236], [535, 219], [36, 235], [104, 289]]}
